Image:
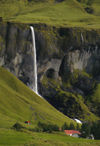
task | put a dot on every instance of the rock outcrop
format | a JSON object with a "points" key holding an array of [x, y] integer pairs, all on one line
{"points": [[68, 59]]}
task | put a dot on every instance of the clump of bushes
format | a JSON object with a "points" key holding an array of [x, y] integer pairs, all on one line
{"points": [[89, 128], [17, 126], [43, 127], [89, 10], [65, 126]]}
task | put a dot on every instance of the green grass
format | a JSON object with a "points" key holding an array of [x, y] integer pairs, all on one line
{"points": [[19, 103], [11, 137], [69, 13]]}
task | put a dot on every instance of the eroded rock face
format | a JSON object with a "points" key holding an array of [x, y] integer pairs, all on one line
{"points": [[65, 50], [60, 52], [17, 54], [61, 49], [87, 60]]}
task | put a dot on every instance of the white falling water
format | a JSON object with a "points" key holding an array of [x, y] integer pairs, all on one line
{"points": [[35, 88], [78, 121]]}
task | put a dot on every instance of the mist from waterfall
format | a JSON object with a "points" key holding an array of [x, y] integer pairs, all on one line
{"points": [[35, 87]]}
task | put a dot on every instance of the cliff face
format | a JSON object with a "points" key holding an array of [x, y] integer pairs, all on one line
{"points": [[74, 48], [16, 51], [68, 63]]}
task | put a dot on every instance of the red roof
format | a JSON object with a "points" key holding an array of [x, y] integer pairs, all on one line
{"points": [[68, 132]]}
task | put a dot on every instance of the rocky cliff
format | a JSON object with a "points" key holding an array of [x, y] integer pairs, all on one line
{"points": [[68, 64]]}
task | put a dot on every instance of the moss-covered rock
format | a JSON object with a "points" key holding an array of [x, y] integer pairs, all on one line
{"points": [[70, 103], [67, 59]]}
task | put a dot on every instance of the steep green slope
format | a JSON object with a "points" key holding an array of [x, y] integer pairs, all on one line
{"points": [[19, 103], [68, 13]]}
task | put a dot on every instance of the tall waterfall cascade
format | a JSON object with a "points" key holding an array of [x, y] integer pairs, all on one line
{"points": [[35, 87]]}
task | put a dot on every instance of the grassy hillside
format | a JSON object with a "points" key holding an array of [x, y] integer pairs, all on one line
{"points": [[70, 13], [19, 103]]}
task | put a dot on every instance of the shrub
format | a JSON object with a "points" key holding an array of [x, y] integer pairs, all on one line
{"points": [[78, 127], [71, 126], [47, 127], [95, 129], [17, 126], [85, 130], [88, 129], [64, 126]]}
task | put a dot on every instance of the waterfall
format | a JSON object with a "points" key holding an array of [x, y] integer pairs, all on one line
{"points": [[35, 88]]}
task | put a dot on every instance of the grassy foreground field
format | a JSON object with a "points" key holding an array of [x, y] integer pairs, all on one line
{"points": [[10, 137], [69, 13]]}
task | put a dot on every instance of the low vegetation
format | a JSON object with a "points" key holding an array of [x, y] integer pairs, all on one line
{"points": [[17, 126], [70, 13], [91, 128], [12, 137], [42, 127]]}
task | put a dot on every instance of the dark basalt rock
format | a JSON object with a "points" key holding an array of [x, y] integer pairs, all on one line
{"points": [[60, 52], [65, 69]]}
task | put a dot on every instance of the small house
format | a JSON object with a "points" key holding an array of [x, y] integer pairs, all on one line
{"points": [[73, 133]]}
